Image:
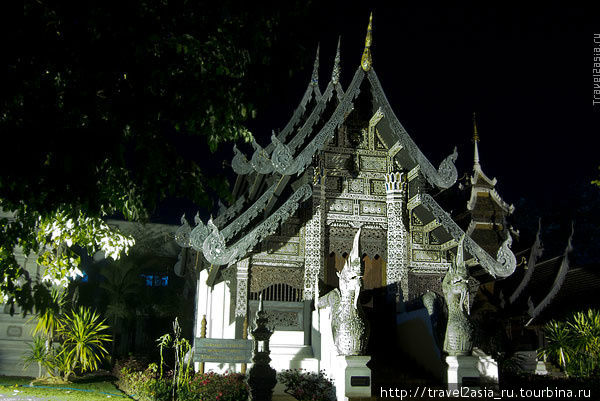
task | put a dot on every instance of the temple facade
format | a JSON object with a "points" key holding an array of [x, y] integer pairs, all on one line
{"points": [[343, 162]]}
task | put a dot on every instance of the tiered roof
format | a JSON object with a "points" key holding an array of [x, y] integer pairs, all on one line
{"points": [[279, 177]]}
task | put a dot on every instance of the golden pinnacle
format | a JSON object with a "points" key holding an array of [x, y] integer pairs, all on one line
{"points": [[475, 133], [366, 62]]}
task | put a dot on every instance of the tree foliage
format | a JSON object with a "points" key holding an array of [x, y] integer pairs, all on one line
{"points": [[100, 106]]}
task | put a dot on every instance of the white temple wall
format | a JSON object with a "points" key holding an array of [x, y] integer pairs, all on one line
{"points": [[15, 330], [215, 304]]}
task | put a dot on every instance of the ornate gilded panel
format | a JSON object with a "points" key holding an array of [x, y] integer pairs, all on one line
{"points": [[355, 186], [433, 239], [421, 255], [419, 284], [340, 206], [417, 237], [291, 229], [285, 316], [377, 187], [415, 220], [282, 247], [372, 208], [262, 277], [333, 184], [373, 163], [337, 160]]}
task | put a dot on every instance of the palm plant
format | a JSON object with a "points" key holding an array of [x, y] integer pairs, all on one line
{"points": [[586, 340], [38, 354], [48, 320], [575, 344], [559, 343], [84, 338]]}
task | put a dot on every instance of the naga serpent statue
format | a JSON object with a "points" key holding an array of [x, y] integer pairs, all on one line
{"points": [[458, 338], [348, 324]]}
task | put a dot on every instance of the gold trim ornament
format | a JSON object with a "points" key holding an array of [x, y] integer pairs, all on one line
{"points": [[366, 62]]}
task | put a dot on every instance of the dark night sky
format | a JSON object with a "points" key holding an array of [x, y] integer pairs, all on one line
{"points": [[526, 71]]}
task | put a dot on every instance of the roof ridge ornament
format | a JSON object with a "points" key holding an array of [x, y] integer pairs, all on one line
{"points": [[475, 141], [366, 62], [314, 81], [335, 74], [534, 311]]}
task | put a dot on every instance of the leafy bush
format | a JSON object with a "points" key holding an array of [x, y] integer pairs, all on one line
{"points": [[154, 387], [148, 385], [307, 386], [129, 374], [145, 385], [212, 386]]}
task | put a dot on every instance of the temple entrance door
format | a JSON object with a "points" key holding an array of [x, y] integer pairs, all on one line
{"points": [[374, 275]]}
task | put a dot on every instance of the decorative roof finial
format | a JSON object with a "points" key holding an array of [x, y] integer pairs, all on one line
{"points": [[335, 75], [366, 62], [315, 74], [475, 141], [475, 133]]}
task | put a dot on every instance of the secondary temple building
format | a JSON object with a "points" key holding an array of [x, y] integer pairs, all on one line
{"points": [[343, 162]]}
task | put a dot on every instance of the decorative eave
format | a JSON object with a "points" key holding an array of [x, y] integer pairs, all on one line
{"points": [[213, 242], [282, 157], [491, 192], [479, 178], [534, 311], [502, 266], [221, 244], [240, 163], [402, 146], [534, 255]]}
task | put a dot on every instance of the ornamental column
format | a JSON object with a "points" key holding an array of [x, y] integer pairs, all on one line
{"points": [[241, 291], [397, 234], [314, 253]]}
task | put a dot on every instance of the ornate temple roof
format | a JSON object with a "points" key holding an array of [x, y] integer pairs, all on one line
{"points": [[279, 177], [482, 186]]}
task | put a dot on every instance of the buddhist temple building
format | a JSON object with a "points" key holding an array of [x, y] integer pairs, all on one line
{"points": [[342, 162]]}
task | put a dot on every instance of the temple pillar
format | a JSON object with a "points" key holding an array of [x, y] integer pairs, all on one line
{"points": [[241, 295], [397, 234], [314, 250]]}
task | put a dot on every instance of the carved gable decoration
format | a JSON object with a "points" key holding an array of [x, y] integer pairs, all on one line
{"points": [[262, 277]]}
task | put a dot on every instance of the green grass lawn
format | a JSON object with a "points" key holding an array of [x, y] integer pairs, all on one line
{"points": [[99, 388]]}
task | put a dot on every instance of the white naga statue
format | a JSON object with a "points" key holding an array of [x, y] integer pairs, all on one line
{"points": [[348, 324]]}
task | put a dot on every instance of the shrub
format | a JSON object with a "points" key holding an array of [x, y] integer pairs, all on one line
{"points": [[307, 386], [212, 386], [145, 385], [129, 374]]}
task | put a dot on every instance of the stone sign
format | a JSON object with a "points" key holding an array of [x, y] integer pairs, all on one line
{"points": [[222, 350]]}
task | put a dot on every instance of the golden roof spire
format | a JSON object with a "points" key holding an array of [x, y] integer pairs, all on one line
{"points": [[475, 133], [366, 62], [335, 75], [475, 141], [314, 81]]}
